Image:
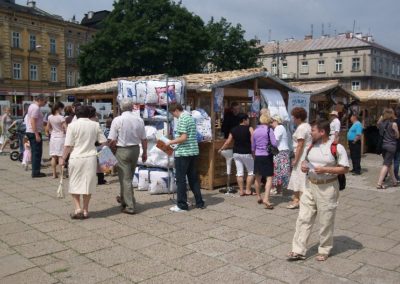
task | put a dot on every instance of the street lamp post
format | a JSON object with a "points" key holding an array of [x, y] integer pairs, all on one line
{"points": [[36, 47]]}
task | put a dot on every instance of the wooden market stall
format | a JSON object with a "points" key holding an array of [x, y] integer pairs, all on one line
{"points": [[371, 106], [200, 93]]}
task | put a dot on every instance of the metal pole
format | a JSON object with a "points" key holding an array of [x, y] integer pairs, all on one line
{"points": [[29, 73]]}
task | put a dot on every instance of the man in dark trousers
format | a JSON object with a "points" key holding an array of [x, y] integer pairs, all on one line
{"points": [[231, 119], [354, 139]]}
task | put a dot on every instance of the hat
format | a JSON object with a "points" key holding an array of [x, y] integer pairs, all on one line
{"points": [[334, 112], [277, 118]]}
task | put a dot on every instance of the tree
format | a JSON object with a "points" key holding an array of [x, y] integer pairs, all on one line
{"points": [[228, 49], [142, 37]]}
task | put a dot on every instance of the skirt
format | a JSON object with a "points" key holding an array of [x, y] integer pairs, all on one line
{"points": [[56, 146], [281, 169], [82, 175], [264, 166], [298, 179]]}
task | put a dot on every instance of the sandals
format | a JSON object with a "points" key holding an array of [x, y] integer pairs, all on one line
{"points": [[321, 257], [292, 256], [293, 206], [85, 215], [260, 201], [77, 215], [380, 186], [268, 206]]}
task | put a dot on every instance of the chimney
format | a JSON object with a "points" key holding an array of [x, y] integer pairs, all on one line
{"points": [[349, 35], [308, 37], [90, 15], [31, 4]]}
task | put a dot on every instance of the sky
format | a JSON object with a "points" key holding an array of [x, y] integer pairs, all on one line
{"points": [[275, 19]]}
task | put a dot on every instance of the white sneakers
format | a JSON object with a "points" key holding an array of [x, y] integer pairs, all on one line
{"points": [[176, 209]]}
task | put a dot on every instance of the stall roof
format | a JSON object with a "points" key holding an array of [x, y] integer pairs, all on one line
{"points": [[320, 87], [200, 82], [378, 95]]}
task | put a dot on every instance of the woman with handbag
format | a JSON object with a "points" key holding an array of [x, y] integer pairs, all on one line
{"points": [[264, 146], [389, 130]]}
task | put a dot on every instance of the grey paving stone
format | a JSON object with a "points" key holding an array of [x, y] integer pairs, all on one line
{"points": [[142, 269], [376, 243], [12, 264], [164, 251], [374, 221], [172, 277], [38, 218], [377, 231], [267, 230], [116, 280], [212, 247], [54, 225], [183, 238], [210, 215], [257, 242], [86, 273], [198, 226], [196, 264], [334, 265], [113, 256], [5, 250], [115, 232], [4, 219], [44, 260], [34, 275], [175, 218], [394, 235], [160, 228], [371, 275], [327, 279], [395, 250], [246, 258], [70, 234], [86, 245], [138, 241], [40, 248], [15, 227], [225, 233], [231, 274], [96, 223], [24, 237], [377, 258], [238, 223]]}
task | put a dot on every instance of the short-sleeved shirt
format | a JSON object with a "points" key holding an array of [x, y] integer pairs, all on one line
{"points": [[320, 155], [260, 141], [355, 130], [242, 139], [35, 113], [190, 147], [335, 127], [6, 122], [127, 129], [56, 122], [82, 135], [303, 131], [282, 138]]}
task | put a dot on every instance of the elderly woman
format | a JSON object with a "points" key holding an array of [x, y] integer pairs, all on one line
{"points": [[6, 122], [282, 160], [263, 136], [388, 128], [80, 142], [56, 126], [301, 141], [242, 155]]}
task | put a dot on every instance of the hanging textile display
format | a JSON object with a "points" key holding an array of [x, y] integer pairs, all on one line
{"points": [[276, 104]]}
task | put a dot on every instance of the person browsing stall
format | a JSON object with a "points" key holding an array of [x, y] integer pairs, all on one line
{"points": [[354, 139], [335, 126]]}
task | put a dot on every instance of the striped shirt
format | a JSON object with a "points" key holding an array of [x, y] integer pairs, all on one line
{"points": [[190, 147]]}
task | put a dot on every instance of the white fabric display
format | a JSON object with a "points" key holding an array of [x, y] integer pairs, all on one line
{"points": [[157, 158], [203, 125], [159, 182], [150, 145], [228, 155], [151, 133], [135, 180], [276, 104], [144, 182]]}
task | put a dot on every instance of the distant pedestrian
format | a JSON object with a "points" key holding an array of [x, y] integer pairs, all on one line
{"points": [[388, 128], [27, 156], [335, 126], [354, 140], [6, 122], [396, 163]]}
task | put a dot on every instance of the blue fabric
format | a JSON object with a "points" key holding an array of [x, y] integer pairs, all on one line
{"points": [[355, 129]]}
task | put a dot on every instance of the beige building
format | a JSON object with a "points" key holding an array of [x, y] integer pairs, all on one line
{"points": [[38, 52], [355, 60]]}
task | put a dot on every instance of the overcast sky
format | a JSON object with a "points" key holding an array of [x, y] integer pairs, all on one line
{"points": [[285, 18]]}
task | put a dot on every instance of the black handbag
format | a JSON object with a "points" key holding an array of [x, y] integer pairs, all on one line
{"points": [[271, 148]]}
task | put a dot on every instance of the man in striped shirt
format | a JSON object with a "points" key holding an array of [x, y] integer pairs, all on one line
{"points": [[186, 154]]}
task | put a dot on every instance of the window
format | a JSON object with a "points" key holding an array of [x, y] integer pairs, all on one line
{"points": [[52, 45], [380, 67], [304, 67], [393, 69], [16, 40], [273, 68], [338, 65], [398, 69], [32, 42], [70, 50], [69, 79], [78, 49], [33, 72], [355, 85], [17, 71], [374, 64], [284, 67], [53, 74], [355, 64], [321, 66], [78, 77]]}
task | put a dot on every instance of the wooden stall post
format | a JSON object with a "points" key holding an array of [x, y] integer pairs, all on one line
{"points": [[363, 136], [212, 148]]}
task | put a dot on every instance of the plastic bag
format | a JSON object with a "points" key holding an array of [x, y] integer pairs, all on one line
{"points": [[107, 159]]}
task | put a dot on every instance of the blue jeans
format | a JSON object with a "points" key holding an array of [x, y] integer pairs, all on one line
{"points": [[37, 151], [396, 165], [186, 167], [21, 142]]}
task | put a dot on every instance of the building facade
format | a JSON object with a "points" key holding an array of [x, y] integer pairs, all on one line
{"points": [[38, 53], [355, 60]]}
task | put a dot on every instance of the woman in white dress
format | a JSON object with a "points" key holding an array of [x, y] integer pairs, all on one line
{"points": [[56, 128], [301, 142], [80, 144]]}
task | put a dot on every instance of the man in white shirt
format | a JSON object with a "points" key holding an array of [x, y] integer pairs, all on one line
{"points": [[335, 126], [324, 161], [127, 133]]}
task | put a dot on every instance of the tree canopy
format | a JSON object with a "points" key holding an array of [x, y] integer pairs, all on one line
{"points": [[142, 37]]}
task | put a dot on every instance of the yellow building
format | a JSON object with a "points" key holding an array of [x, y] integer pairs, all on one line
{"points": [[38, 53]]}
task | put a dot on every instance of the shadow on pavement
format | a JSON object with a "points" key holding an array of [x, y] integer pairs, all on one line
{"points": [[341, 244]]}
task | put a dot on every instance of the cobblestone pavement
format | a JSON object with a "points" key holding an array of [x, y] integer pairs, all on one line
{"points": [[234, 240]]}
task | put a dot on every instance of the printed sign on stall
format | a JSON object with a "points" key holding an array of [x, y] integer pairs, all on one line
{"points": [[299, 100]]}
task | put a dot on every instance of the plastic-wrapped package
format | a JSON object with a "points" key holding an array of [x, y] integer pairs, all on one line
{"points": [[159, 183], [135, 180], [144, 181], [203, 125], [151, 133], [157, 158]]}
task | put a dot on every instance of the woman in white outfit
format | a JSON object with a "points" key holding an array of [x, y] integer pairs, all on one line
{"points": [[56, 128], [301, 141], [80, 143], [241, 137]]}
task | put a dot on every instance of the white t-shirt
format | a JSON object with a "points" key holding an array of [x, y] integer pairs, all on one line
{"points": [[127, 129], [335, 127], [320, 155], [281, 137]]}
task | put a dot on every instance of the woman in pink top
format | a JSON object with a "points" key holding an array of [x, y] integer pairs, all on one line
{"points": [[56, 127]]}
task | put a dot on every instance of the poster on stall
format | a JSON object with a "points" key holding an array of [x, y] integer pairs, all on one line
{"points": [[218, 99], [103, 109], [299, 100]]}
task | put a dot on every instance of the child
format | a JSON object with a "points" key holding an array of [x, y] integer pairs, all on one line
{"points": [[27, 154]]}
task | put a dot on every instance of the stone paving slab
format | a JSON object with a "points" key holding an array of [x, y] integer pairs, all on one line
{"points": [[234, 240]]}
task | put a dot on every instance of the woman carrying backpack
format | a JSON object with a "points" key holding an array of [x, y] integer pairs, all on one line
{"points": [[389, 130]]}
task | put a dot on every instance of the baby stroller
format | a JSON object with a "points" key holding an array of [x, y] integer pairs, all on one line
{"points": [[14, 143], [16, 156]]}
